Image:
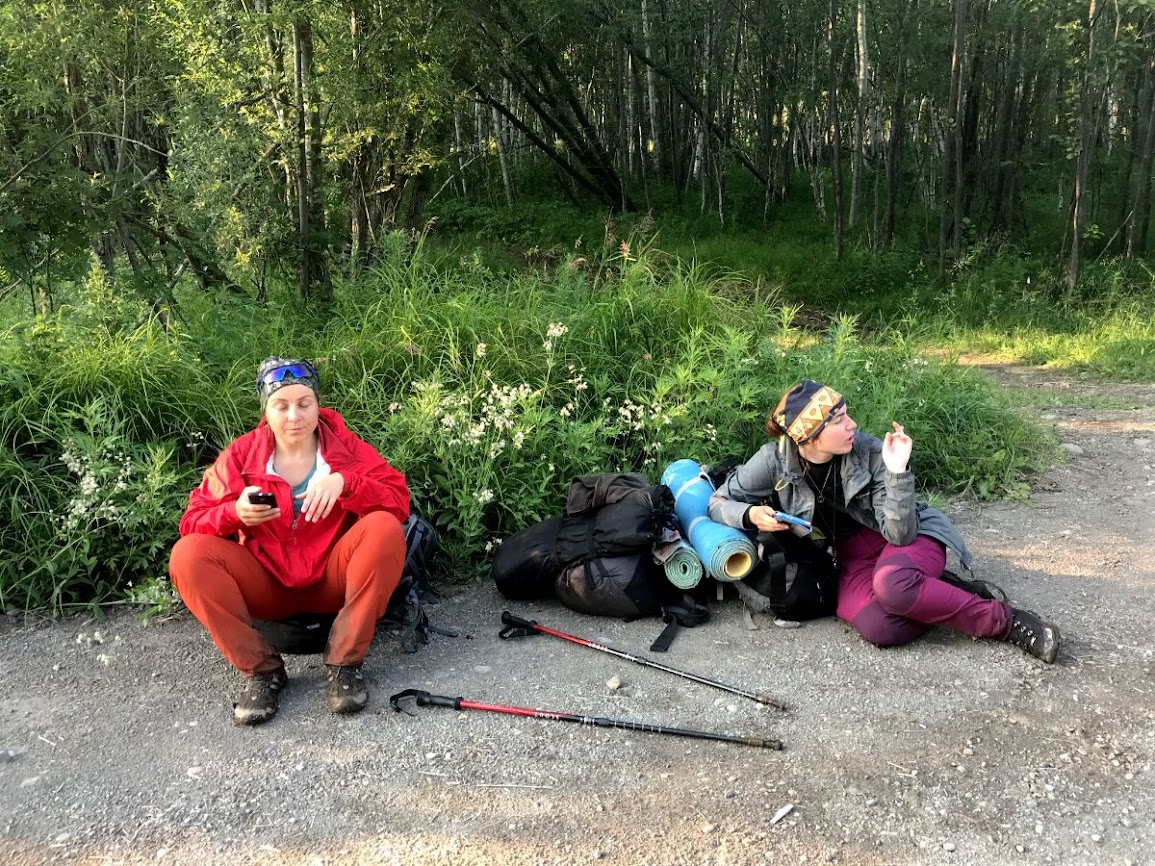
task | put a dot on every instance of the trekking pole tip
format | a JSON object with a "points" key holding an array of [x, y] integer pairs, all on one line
{"points": [[763, 743], [770, 702]]}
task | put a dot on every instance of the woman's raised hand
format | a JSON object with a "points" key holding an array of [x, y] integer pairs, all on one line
{"points": [[896, 449]]}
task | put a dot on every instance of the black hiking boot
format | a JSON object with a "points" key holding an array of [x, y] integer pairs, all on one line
{"points": [[258, 700], [347, 690], [1034, 636], [981, 588]]}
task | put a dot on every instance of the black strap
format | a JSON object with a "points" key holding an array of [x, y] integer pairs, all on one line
{"points": [[667, 636], [686, 613]]}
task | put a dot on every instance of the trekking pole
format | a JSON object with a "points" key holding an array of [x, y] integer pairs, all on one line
{"points": [[515, 626], [423, 699]]}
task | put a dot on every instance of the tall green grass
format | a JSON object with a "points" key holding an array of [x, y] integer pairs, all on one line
{"points": [[999, 299], [489, 391]]}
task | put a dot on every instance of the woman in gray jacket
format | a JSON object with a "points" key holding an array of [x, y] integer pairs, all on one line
{"points": [[890, 549]]}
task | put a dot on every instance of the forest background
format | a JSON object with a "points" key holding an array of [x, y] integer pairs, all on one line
{"points": [[530, 240]]}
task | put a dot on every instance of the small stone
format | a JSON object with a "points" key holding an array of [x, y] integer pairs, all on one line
{"points": [[787, 623], [614, 683], [709, 828], [948, 846], [1071, 449], [1095, 837], [782, 813], [1020, 849], [7, 756], [599, 855]]}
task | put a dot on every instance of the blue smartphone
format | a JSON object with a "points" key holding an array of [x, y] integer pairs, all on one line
{"points": [[783, 517]]}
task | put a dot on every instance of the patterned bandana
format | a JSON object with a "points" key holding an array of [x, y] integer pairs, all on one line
{"points": [[276, 373], [806, 408]]}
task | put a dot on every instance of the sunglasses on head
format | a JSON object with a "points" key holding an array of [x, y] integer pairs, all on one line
{"points": [[278, 374]]}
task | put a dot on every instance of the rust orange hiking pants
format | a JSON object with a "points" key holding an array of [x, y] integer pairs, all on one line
{"points": [[226, 589]]}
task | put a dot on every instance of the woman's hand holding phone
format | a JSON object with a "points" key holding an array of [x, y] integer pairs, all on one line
{"points": [[255, 506]]}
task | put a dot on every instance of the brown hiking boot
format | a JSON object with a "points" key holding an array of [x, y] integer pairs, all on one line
{"points": [[347, 690], [258, 700], [1031, 634]]}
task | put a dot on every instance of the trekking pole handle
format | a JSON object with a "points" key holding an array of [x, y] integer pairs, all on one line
{"points": [[424, 699], [515, 626], [508, 618]]}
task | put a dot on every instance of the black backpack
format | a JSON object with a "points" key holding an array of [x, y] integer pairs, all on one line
{"points": [[795, 578], [592, 556], [405, 617]]}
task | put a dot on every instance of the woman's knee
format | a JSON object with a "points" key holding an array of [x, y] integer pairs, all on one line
{"points": [[382, 525], [878, 627], [187, 556], [896, 586], [196, 563]]}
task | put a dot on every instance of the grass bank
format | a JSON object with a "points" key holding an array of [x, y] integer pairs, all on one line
{"points": [[488, 390]]}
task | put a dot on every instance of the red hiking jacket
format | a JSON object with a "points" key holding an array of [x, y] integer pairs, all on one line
{"points": [[292, 550]]}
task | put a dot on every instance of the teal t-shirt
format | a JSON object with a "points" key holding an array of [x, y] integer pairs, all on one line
{"points": [[298, 489]]}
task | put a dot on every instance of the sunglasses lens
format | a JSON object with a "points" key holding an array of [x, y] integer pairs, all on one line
{"points": [[278, 375]]}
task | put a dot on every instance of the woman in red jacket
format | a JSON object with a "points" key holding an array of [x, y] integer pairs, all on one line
{"points": [[328, 541]]}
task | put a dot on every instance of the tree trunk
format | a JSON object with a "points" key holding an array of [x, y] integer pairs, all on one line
{"points": [[897, 136], [952, 169], [499, 138], [835, 127], [314, 279], [1139, 223], [862, 78], [1086, 143], [652, 104]]}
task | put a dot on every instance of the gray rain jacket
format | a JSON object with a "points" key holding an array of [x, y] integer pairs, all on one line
{"points": [[875, 496]]}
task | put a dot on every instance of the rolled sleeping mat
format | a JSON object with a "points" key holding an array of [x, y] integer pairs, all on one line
{"points": [[727, 553], [681, 563]]}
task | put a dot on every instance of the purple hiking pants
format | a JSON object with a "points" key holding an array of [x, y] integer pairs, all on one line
{"points": [[891, 595]]}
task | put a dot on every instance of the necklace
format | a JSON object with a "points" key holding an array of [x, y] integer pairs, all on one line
{"points": [[820, 489], [826, 515]]}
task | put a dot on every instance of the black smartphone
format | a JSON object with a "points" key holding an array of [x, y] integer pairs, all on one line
{"points": [[262, 498]]}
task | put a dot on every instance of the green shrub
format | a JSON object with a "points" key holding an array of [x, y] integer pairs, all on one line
{"points": [[490, 392]]}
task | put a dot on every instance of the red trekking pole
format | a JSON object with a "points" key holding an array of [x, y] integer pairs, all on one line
{"points": [[515, 626], [402, 700]]}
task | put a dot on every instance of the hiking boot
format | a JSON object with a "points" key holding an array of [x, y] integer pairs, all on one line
{"points": [[981, 588], [258, 700], [347, 690], [1034, 636]]}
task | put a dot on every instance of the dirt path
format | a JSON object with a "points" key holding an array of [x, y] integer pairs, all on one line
{"points": [[947, 751]]}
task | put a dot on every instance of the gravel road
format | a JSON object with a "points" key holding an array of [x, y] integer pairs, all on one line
{"points": [[117, 746]]}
